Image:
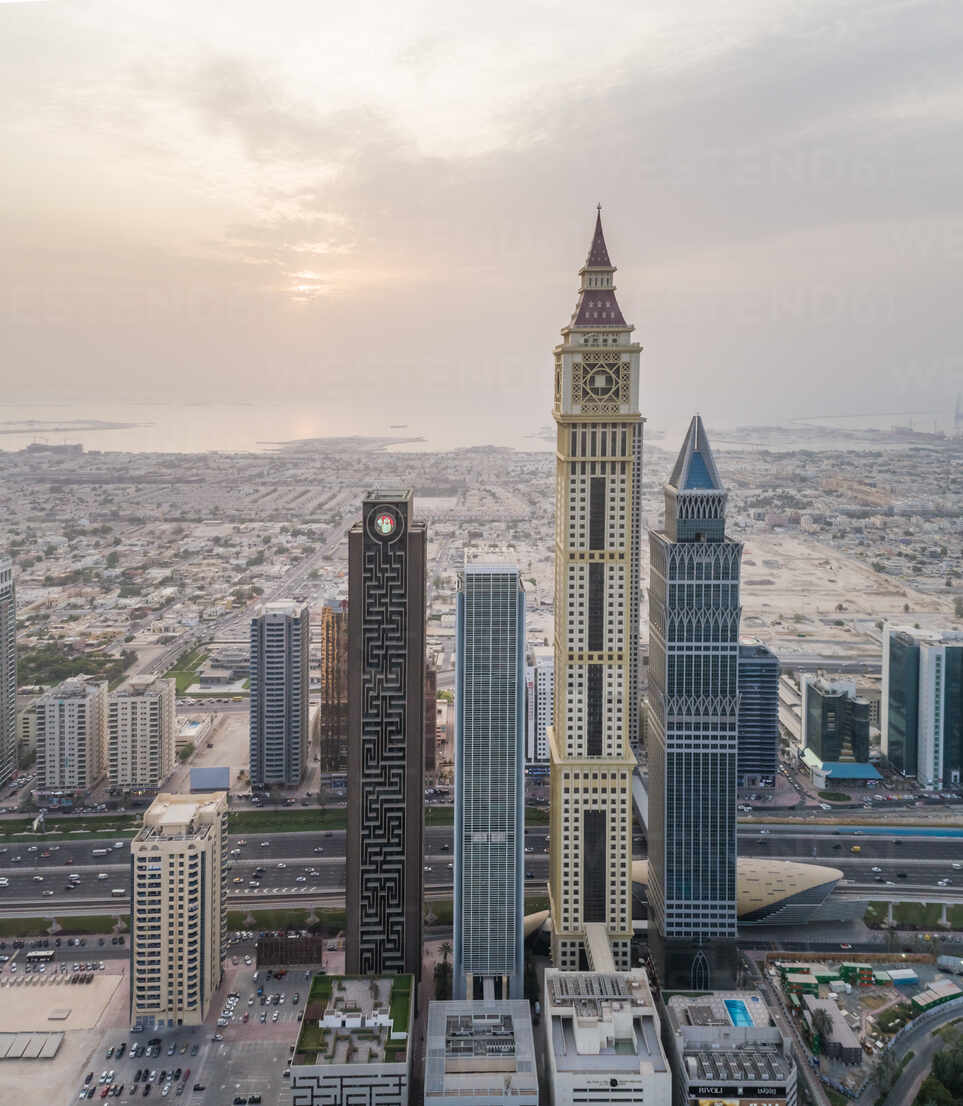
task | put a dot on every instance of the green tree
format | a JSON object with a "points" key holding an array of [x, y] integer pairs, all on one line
{"points": [[112, 558], [948, 1067], [186, 751]]}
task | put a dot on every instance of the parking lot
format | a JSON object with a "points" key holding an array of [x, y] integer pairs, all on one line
{"points": [[235, 1055]]}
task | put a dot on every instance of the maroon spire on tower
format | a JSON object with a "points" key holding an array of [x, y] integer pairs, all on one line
{"points": [[597, 305], [598, 254]]}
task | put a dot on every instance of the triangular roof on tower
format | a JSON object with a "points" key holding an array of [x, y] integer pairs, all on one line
{"points": [[598, 255], [695, 469], [597, 305]]}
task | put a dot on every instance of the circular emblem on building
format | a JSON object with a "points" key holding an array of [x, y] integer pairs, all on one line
{"points": [[384, 523]]}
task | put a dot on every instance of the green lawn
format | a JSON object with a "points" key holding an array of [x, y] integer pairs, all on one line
{"points": [[98, 823], [954, 915], [919, 915], [268, 919], [184, 671], [93, 923], [835, 797], [400, 1003], [287, 821], [24, 927]]}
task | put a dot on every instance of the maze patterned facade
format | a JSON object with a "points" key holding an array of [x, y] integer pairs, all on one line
{"points": [[385, 733], [331, 1087], [597, 549]]}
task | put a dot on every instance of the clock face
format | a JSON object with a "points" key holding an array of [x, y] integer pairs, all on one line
{"points": [[385, 523], [601, 381]]}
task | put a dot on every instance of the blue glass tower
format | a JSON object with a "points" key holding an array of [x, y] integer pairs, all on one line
{"points": [[489, 781], [694, 617]]}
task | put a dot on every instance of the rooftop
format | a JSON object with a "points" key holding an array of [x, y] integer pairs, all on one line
{"points": [[480, 1048], [603, 1021], [356, 1020], [728, 1036]]}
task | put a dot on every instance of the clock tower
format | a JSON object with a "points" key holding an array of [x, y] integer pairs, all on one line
{"points": [[597, 547]]}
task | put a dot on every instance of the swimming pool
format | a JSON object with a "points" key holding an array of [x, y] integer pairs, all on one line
{"points": [[738, 1012]]}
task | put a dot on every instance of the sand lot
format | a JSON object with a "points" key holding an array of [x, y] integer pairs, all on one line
{"points": [[94, 1007]]}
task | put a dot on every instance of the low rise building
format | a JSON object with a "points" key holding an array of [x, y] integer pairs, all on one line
{"points": [[603, 1039], [725, 1046], [355, 1042], [480, 1053], [838, 1039]]}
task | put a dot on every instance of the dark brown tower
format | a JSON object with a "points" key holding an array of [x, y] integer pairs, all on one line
{"points": [[386, 703], [334, 687]]}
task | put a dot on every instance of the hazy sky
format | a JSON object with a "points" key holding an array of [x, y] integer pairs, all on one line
{"points": [[381, 206]]}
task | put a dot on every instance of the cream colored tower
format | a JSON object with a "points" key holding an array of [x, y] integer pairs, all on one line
{"points": [[597, 544], [178, 916]]}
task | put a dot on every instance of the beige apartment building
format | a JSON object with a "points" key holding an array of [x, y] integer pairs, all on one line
{"points": [[140, 733], [71, 726], [178, 915]]}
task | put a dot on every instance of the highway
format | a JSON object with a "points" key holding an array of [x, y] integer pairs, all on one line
{"points": [[310, 866]]}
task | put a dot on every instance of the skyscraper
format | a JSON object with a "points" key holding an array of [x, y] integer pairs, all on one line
{"points": [[540, 681], [8, 672], [597, 521], [758, 714], [489, 780], [178, 917], [280, 643], [386, 702], [835, 720], [921, 711], [334, 686], [140, 732], [693, 725]]}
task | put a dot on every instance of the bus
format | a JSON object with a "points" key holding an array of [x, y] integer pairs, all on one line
{"points": [[100, 852], [40, 956], [119, 893]]}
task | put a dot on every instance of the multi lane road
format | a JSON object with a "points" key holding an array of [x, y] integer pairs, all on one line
{"points": [[310, 866]]}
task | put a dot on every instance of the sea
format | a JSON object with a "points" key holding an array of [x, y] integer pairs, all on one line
{"points": [[260, 427]]}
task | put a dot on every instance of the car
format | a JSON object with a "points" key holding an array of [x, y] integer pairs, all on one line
{"points": [[281, 864], [172, 1049], [275, 1015], [110, 1053], [194, 1051], [875, 868], [300, 879], [237, 879], [427, 867], [901, 875], [957, 866], [38, 879], [146, 1089], [250, 1001], [845, 946], [218, 1037], [264, 844], [318, 849], [47, 894], [263, 1017]]}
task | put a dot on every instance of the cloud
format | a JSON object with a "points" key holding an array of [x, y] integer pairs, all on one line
{"points": [[781, 191]]}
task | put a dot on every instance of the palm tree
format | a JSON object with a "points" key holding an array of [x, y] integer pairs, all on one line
{"points": [[446, 950]]}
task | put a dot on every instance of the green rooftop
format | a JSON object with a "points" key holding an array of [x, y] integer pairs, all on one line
{"points": [[356, 1020]]}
